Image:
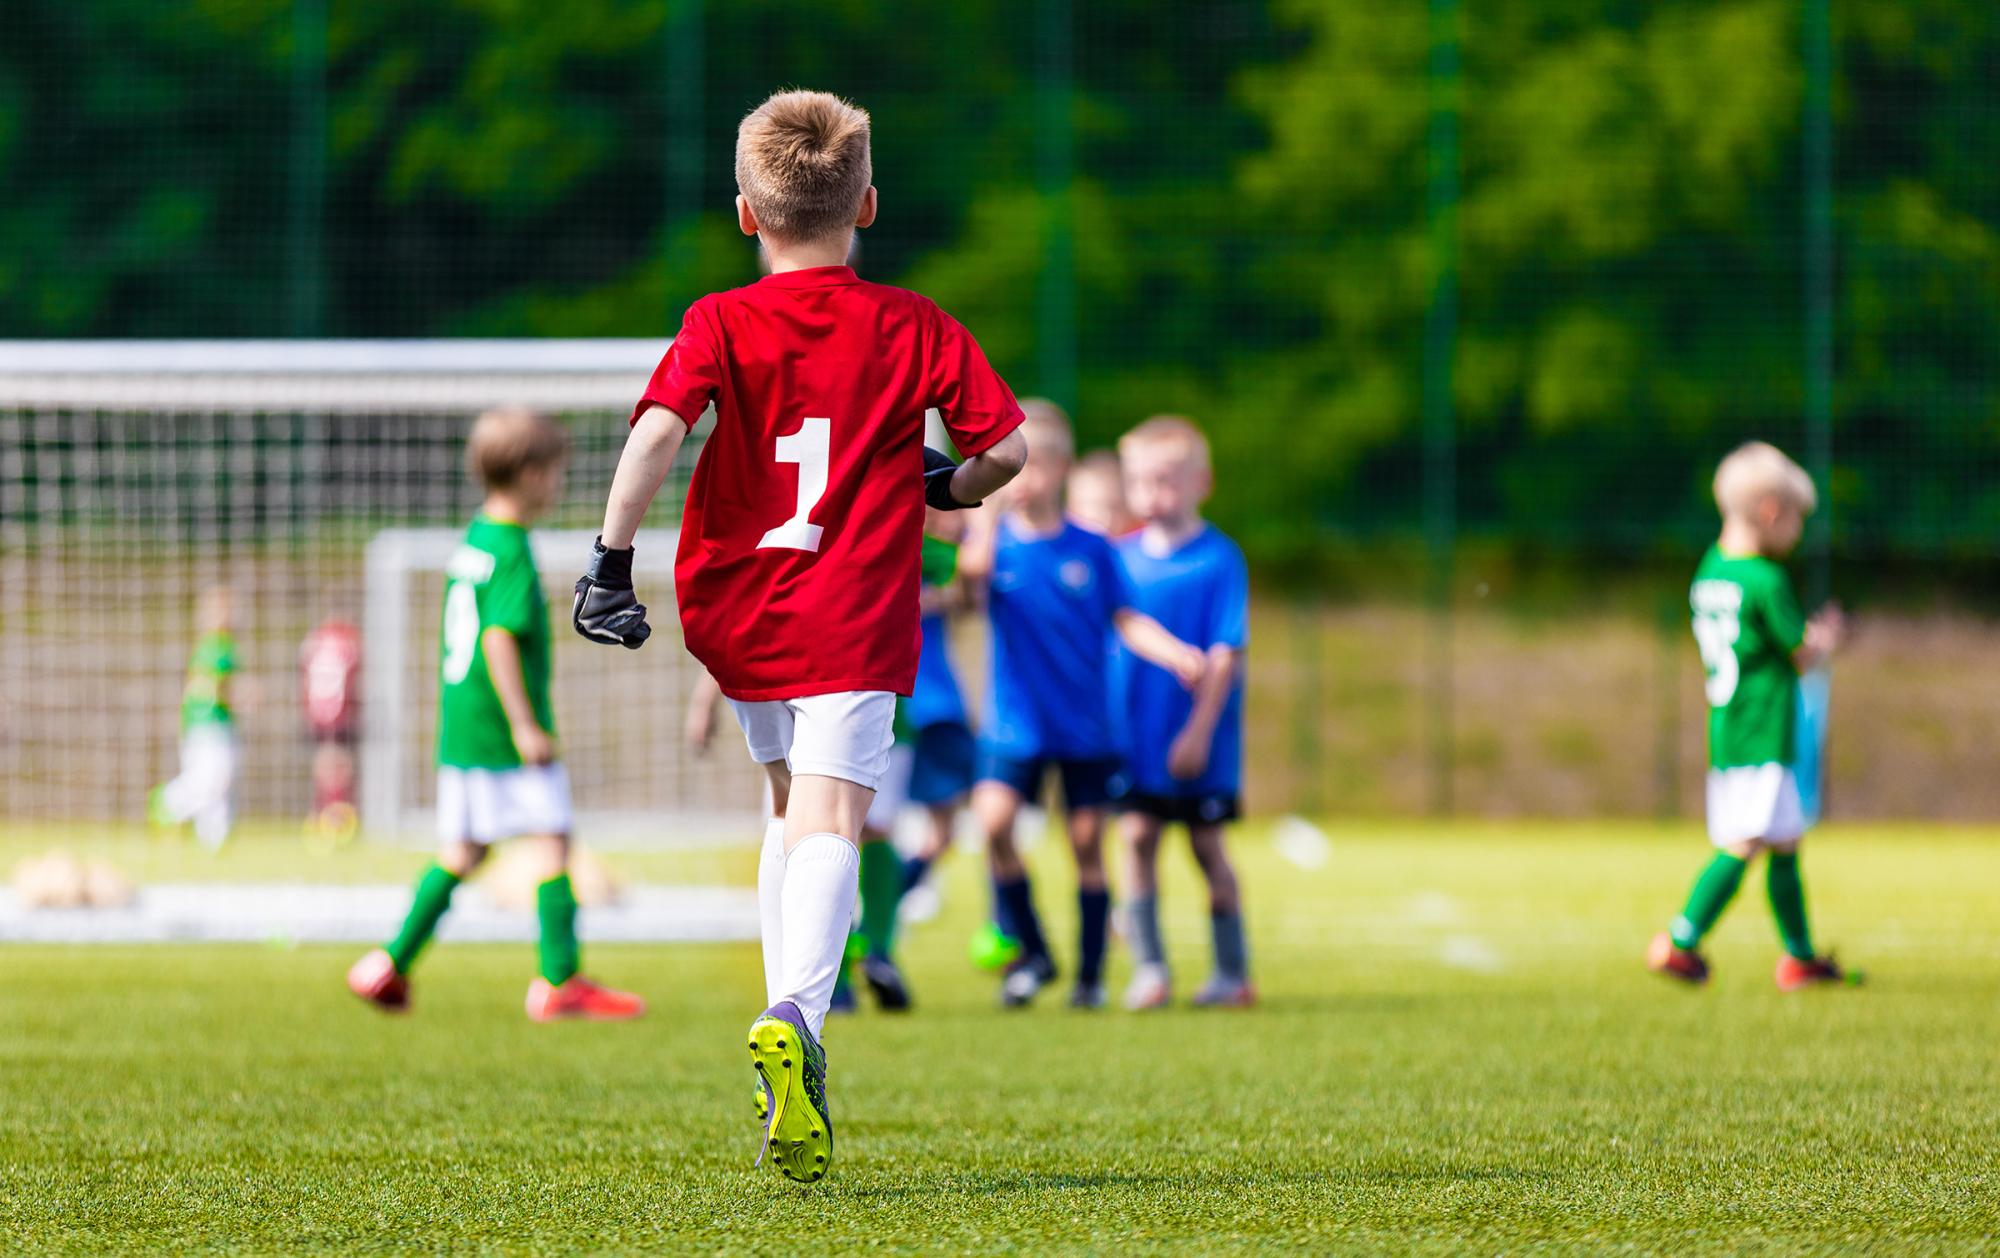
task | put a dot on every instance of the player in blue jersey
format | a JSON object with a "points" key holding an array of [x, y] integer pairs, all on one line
{"points": [[1186, 750], [1056, 597]]}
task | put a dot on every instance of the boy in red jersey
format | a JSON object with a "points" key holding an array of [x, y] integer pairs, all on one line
{"points": [[797, 574]]}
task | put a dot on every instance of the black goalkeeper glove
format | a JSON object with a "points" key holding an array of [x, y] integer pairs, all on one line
{"points": [[606, 610], [938, 469]]}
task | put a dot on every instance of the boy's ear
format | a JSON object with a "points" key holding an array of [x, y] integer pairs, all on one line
{"points": [[744, 218], [866, 217]]}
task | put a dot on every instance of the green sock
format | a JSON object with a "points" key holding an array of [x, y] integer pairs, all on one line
{"points": [[1788, 903], [1712, 893], [881, 894], [555, 907], [433, 897]]}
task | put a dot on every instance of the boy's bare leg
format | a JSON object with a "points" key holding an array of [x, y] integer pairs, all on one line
{"points": [[1151, 986], [1230, 984]]}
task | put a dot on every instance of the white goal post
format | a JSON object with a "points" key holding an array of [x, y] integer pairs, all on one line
{"points": [[314, 481]]}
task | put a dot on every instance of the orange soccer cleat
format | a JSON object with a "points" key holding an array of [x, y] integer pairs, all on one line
{"points": [[1794, 974], [1663, 956], [375, 979], [581, 998]]}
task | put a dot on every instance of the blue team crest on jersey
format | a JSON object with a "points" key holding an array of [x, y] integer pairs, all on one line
{"points": [[1075, 576]]}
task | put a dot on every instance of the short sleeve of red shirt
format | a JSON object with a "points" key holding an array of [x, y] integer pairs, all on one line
{"points": [[977, 405], [688, 376]]}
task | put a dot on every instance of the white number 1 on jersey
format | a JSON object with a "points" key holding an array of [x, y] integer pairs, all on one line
{"points": [[809, 448]]}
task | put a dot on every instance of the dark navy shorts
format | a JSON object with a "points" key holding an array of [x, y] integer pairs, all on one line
{"points": [[1188, 810], [1089, 782], [945, 759]]}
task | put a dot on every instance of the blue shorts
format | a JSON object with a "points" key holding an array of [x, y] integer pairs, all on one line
{"points": [[1211, 809], [943, 769], [1087, 782]]}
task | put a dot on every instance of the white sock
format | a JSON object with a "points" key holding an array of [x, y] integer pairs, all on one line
{"points": [[770, 905], [822, 882]]}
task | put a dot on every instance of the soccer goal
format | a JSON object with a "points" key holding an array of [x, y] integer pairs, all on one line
{"points": [[316, 482]]}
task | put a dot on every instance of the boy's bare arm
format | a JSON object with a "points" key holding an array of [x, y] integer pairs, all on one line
{"points": [[510, 685], [1149, 640], [979, 477], [699, 725], [1187, 757], [1825, 633], [605, 608], [642, 469]]}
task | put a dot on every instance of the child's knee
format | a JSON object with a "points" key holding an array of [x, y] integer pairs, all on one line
{"points": [[461, 857]]}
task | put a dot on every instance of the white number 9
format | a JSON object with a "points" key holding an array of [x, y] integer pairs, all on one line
{"points": [[461, 630]]}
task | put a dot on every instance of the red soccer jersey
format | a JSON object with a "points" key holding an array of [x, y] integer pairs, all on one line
{"points": [[798, 565]]}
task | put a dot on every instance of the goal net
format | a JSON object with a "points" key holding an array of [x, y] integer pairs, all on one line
{"points": [[317, 482]]}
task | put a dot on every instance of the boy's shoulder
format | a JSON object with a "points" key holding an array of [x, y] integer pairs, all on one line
{"points": [[1750, 571], [765, 289], [1210, 548]]}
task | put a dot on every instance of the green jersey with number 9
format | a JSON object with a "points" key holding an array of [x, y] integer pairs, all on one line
{"points": [[1747, 624], [490, 583]]}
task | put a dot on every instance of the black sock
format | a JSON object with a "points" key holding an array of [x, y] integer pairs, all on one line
{"points": [[914, 869], [1017, 916], [1094, 917]]}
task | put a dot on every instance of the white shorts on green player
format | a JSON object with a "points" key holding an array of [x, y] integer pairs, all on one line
{"points": [[489, 805], [1757, 801]]}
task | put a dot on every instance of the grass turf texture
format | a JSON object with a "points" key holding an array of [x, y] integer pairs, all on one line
{"points": [[1458, 1051]]}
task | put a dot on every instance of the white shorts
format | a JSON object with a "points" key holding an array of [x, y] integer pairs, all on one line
{"points": [[487, 805], [845, 735], [894, 791], [1759, 801]]}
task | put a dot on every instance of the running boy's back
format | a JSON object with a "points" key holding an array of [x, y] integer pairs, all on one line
{"points": [[803, 516], [798, 567]]}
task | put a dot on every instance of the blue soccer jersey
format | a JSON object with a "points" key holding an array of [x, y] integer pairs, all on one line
{"points": [[936, 699], [1053, 603], [1201, 592]]}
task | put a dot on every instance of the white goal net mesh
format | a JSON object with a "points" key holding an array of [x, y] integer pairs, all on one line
{"points": [[135, 476]]}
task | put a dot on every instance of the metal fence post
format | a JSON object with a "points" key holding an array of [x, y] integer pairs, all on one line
{"points": [[1440, 426], [305, 244], [1055, 294], [1817, 173]]}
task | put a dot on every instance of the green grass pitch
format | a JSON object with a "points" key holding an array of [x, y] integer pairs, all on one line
{"points": [[1458, 1052]]}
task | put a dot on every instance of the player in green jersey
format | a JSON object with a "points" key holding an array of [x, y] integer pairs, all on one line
{"points": [[1754, 643], [498, 775], [202, 792]]}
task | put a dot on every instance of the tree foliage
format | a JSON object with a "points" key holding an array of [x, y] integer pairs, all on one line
{"points": [[1246, 217]]}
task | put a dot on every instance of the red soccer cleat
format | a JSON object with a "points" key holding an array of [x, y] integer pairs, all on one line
{"points": [[375, 980], [1663, 956], [581, 998], [1794, 974]]}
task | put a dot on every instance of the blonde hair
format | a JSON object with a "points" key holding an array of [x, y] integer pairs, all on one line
{"points": [[802, 163], [1047, 428], [1174, 431], [1755, 470], [508, 440]]}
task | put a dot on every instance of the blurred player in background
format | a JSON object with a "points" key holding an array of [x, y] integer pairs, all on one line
{"points": [[204, 790], [1057, 600], [1095, 495], [943, 752], [329, 690], [1754, 644], [1185, 750], [498, 774], [798, 569]]}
